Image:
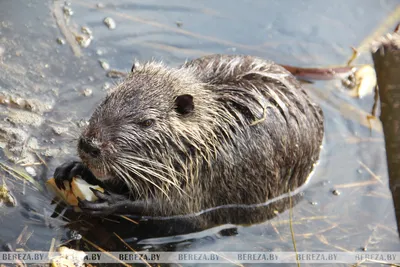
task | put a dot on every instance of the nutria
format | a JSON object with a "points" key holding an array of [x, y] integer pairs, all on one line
{"points": [[218, 130]]}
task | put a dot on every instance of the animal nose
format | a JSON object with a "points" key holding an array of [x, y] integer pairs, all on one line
{"points": [[89, 147]]}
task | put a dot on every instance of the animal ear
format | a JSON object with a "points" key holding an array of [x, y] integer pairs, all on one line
{"points": [[184, 104]]}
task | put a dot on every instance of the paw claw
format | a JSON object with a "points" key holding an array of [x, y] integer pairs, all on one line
{"points": [[76, 170], [100, 195], [60, 184], [108, 203], [66, 172], [79, 200], [94, 190]]}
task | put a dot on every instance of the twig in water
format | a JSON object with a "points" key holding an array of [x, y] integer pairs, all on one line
{"points": [[291, 227], [69, 37], [106, 252], [128, 219], [126, 244]]}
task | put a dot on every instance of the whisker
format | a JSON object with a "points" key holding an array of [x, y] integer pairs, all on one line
{"points": [[141, 176]]}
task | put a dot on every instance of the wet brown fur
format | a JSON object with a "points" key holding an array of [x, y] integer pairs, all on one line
{"points": [[253, 134]]}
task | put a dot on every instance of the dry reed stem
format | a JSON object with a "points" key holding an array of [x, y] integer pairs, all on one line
{"points": [[62, 26], [126, 244], [104, 251]]}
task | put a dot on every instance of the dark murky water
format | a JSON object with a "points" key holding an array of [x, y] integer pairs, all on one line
{"points": [[305, 33]]}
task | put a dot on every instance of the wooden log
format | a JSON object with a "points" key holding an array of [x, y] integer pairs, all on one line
{"points": [[386, 57]]}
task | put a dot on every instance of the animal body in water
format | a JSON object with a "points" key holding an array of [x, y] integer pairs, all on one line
{"points": [[218, 130]]}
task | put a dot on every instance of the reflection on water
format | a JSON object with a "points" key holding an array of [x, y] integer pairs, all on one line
{"points": [[306, 33], [139, 232]]}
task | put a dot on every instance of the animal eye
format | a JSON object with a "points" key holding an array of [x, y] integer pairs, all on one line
{"points": [[146, 123]]}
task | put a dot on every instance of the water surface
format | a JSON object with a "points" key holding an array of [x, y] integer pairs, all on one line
{"points": [[303, 33]]}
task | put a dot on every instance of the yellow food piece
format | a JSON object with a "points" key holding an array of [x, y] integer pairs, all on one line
{"points": [[79, 188], [6, 196], [62, 262], [68, 258], [365, 78]]}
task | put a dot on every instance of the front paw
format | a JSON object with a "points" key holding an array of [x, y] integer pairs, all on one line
{"points": [[66, 172], [110, 203]]}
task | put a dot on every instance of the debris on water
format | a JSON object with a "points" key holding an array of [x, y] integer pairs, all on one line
{"points": [[336, 192], [110, 23], [179, 23], [22, 117], [83, 41], [7, 132], [99, 52], [32, 143], [87, 92], [33, 105], [6, 196], [69, 258], [4, 100], [61, 262], [12, 141], [75, 235], [106, 86], [21, 175], [362, 82], [31, 171], [60, 41], [24, 236], [87, 31], [104, 64], [51, 152], [68, 12], [116, 74], [100, 5], [59, 130], [62, 20]]}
